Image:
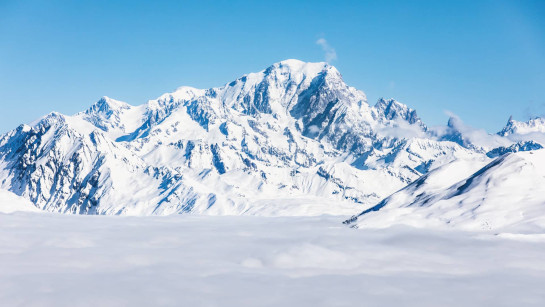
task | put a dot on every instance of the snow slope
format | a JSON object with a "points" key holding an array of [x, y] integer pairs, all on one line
{"points": [[507, 194], [10, 202]]}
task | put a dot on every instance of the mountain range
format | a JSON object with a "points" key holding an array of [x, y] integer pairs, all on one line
{"points": [[293, 139]]}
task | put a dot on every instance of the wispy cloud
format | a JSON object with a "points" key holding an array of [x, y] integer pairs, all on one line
{"points": [[330, 54], [391, 85], [534, 110]]}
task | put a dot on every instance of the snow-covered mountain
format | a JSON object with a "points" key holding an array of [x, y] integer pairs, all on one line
{"points": [[516, 147], [507, 194], [291, 139], [533, 125], [515, 136]]}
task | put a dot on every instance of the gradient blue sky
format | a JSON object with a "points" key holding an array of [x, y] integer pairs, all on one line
{"points": [[482, 60]]}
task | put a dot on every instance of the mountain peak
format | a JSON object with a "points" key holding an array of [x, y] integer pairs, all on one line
{"points": [[183, 93], [52, 117], [298, 64], [392, 109], [384, 103], [454, 122], [536, 124], [297, 67], [107, 105]]}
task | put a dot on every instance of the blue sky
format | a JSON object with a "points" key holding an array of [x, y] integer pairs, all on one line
{"points": [[482, 60]]}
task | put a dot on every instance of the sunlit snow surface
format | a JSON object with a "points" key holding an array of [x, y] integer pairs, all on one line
{"points": [[60, 260], [505, 195]]}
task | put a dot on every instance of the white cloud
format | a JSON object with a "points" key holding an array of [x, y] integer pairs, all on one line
{"points": [[472, 136], [402, 130], [391, 85], [330, 54]]}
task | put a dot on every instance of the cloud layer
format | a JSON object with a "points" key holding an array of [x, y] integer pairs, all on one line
{"points": [[329, 52]]}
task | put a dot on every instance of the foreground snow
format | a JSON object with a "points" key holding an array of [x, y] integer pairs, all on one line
{"points": [[59, 260], [10, 202], [505, 195]]}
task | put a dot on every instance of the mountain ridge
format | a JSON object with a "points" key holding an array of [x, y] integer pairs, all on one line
{"points": [[293, 129]]}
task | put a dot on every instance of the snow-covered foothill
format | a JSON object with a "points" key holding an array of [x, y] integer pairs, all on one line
{"points": [[504, 195]]}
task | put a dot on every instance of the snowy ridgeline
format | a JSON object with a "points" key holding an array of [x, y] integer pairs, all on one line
{"points": [[55, 260], [507, 194], [293, 139]]}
